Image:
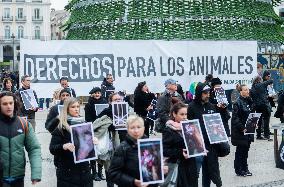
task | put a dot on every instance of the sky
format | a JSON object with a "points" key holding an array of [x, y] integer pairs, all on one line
{"points": [[58, 4]]}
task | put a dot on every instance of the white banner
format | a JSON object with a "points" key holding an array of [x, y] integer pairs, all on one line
{"points": [[86, 63]]}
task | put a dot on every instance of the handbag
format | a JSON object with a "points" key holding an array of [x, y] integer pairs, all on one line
{"points": [[171, 178], [222, 149]]}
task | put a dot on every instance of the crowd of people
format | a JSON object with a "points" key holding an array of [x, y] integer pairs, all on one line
{"points": [[117, 150]]}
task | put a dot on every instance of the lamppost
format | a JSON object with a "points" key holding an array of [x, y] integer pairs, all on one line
{"points": [[13, 40]]}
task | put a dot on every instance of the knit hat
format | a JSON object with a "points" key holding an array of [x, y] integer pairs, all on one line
{"points": [[94, 90]]}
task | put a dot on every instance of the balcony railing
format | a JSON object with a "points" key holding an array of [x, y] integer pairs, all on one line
{"points": [[16, 40], [7, 19], [20, 1], [37, 1], [40, 18], [6, 0], [21, 19]]}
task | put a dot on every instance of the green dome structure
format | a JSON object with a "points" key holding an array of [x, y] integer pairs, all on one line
{"points": [[175, 20]]}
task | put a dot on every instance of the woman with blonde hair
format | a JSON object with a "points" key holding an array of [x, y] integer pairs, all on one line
{"points": [[68, 173]]}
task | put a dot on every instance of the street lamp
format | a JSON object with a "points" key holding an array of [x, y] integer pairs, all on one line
{"points": [[13, 39]]}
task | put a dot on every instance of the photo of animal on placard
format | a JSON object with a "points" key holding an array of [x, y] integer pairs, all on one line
{"points": [[251, 123], [193, 138], [120, 115], [220, 95], [215, 128], [82, 138], [150, 161]]}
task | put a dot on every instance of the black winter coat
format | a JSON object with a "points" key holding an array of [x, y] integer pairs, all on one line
{"points": [[68, 173], [142, 101], [124, 167], [52, 120], [106, 86], [259, 95], [90, 110], [280, 108], [173, 145], [241, 110]]}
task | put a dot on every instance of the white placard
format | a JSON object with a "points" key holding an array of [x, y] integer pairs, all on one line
{"points": [[86, 63]]}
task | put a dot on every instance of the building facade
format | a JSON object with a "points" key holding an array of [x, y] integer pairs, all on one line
{"points": [[28, 19], [57, 20]]}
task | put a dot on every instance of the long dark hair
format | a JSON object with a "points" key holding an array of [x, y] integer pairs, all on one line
{"points": [[17, 104], [5, 82], [139, 87], [175, 108]]}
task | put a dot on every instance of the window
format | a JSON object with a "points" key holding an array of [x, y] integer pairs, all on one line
{"points": [[7, 32], [6, 12], [20, 32], [20, 12], [37, 32], [36, 13]]}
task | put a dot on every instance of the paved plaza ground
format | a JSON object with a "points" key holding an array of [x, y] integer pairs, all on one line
{"points": [[261, 163]]}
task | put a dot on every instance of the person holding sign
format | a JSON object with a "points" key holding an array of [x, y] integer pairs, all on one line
{"points": [[175, 150], [52, 120], [241, 110], [67, 172], [124, 167], [210, 164], [90, 116], [30, 113], [107, 86]]}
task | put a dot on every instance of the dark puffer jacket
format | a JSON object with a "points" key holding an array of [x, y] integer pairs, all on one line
{"points": [[241, 110], [90, 110], [142, 100], [124, 167], [280, 108], [68, 173], [52, 120], [173, 146]]}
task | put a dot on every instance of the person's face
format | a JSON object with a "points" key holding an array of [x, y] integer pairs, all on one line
{"points": [[109, 79], [27, 82], [64, 96], [181, 115], [267, 77], [7, 105], [74, 110], [116, 98], [172, 87], [145, 88], [205, 96], [245, 91], [64, 83], [8, 84], [97, 95], [136, 130]]}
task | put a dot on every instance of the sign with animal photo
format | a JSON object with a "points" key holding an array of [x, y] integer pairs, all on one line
{"points": [[120, 115], [215, 128], [251, 123], [100, 107], [152, 113], [150, 154], [82, 138], [193, 138], [221, 96], [28, 99]]}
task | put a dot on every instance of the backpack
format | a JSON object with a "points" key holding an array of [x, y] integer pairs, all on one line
{"points": [[24, 124]]}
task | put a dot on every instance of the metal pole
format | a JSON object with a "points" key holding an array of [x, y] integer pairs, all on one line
{"points": [[13, 39]]}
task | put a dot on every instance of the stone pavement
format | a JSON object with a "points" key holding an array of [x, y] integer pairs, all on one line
{"points": [[261, 163]]}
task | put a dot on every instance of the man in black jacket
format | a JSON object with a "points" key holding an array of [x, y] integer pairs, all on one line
{"points": [[53, 113], [260, 98], [199, 106], [30, 114], [107, 86]]}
